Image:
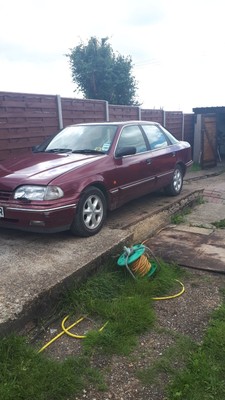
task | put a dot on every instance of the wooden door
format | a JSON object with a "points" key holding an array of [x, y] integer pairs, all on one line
{"points": [[209, 141]]}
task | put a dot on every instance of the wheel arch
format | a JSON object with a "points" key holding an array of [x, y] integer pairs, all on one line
{"points": [[182, 166], [100, 186]]}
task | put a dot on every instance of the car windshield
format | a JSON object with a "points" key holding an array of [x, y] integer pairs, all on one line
{"points": [[84, 139]]}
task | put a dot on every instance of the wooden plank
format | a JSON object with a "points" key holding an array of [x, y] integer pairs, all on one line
{"points": [[27, 113], [30, 124]]}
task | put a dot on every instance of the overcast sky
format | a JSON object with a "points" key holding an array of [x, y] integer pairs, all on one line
{"points": [[177, 46]]}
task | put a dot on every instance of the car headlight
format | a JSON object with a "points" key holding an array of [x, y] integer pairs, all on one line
{"points": [[32, 192]]}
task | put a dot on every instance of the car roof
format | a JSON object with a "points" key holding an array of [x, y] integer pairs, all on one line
{"points": [[129, 122]]}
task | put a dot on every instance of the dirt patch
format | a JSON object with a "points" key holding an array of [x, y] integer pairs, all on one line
{"points": [[186, 315]]}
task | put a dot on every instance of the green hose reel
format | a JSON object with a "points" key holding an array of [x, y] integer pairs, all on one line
{"points": [[132, 254]]}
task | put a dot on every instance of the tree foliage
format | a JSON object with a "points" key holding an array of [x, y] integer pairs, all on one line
{"points": [[101, 74]]}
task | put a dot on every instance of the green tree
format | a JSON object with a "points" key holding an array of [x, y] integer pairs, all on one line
{"points": [[101, 74]]}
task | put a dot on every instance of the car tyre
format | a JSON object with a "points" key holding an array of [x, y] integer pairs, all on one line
{"points": [[175, 187], [90, 214]]}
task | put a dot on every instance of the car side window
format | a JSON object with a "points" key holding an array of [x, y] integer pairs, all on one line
{"points": [[156, 137], [132, 136]]}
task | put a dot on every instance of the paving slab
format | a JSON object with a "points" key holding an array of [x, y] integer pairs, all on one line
{"points": [[193, 250]]}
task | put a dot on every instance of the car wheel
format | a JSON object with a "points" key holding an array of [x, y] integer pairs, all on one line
{"points": [[174, 188], [91, 213]]}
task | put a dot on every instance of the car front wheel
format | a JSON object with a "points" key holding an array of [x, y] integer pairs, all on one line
{"points": [[91, 213], [174, 188]]}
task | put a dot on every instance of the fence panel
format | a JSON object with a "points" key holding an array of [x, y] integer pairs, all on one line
{"points": [[75, 111], [27, 119], [189, 122], [174, 123], [153, 115], [123, 113]]}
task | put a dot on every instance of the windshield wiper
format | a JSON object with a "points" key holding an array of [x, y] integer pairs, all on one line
{"points": [[88, 151], [58, 151]]}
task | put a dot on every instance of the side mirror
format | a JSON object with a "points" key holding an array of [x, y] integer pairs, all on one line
{"points": [[35, 149], [126, 151]]}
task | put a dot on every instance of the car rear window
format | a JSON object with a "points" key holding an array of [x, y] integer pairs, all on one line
{"points": [[157, 139]]}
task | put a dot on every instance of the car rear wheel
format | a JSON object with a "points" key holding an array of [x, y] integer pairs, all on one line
{"points": [[175, 187], [91, 213]]}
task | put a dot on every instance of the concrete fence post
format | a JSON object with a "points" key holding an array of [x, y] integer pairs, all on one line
{"points": [[139, 113], [107, 111], [59, 110], [182, 131], [164, 118]]}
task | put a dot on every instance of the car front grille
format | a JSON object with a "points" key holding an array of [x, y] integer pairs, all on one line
{"points": [[4, 196]]}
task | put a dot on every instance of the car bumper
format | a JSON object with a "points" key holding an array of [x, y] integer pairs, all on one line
{"points": [[189, 164], [38, 219]]}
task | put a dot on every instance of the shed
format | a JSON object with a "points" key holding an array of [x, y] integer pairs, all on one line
{"points": [[209, 136]]}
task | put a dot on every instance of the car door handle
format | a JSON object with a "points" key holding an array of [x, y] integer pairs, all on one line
{"points": [[148, 161]]}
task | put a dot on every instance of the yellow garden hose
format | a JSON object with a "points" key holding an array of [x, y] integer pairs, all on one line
{"points": [[66, 330], [172, 296], [60, 334], [75, 336]]}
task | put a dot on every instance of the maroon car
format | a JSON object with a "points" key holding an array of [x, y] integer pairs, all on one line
{"points": [[72, 179]]}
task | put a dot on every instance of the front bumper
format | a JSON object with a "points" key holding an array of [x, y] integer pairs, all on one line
{"points": [[41, 219]]}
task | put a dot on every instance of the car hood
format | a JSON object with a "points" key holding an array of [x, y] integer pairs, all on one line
{"points": [[40, 168]]}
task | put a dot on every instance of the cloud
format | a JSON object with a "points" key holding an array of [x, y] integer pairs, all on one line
{"points": [[146, 13], [177, 47]]}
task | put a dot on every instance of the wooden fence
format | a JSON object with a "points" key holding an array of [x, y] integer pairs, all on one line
{"points": [[28, 119]]}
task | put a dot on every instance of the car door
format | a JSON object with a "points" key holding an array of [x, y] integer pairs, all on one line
{"points": [[133, 172], [162, 154]]}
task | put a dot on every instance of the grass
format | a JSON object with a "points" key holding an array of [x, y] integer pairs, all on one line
{"points": [[203, 378], [193, 372], [200, 200], [25, 374], [174, 356], [114, 296], [219, 224], [195, 167], [179, 218], [111, 295]]}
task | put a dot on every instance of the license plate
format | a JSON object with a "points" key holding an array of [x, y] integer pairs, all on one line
{"points": [[1, 212]]}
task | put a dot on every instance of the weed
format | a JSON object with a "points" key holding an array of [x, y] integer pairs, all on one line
{"points": [[195, 167], [219, 224], [179, 218], [200, 200]]}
